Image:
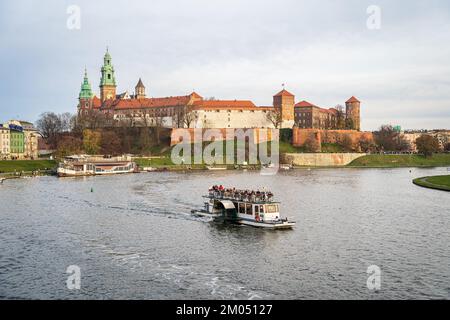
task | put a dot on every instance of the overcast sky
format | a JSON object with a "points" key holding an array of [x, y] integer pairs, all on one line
{"points": [[322, 50]]}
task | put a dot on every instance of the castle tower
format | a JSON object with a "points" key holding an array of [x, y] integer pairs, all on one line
{"points": [[352, 112], [86, 95], [140, 90], [108, 81], [285, 101]]}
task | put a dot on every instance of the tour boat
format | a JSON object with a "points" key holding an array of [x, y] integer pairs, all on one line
{"points": [[75, 166], [250, 208]]}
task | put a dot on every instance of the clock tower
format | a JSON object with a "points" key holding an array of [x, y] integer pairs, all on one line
{"points": [[108, 80]]}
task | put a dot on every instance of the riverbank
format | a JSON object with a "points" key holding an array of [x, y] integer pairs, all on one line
{"points": [[434, 182], [399, 161], [27, 166]]}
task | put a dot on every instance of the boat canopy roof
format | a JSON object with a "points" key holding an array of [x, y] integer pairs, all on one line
{"points": [[227, 204]]}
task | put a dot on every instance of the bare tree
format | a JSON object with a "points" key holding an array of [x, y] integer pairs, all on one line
{"points": [[50, 126], [427, 145], [340, 117], [275, 117], [188, 116], [159, 122], [93, 119], [389, 139]]}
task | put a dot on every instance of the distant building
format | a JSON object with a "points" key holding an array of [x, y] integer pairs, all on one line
{"points": [[4, 142], [194, 111], [18, 140], [442, 135], [310, 116]]}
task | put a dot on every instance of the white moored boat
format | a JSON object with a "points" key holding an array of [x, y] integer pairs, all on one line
{"points": [[74, 166], [251, 208]]}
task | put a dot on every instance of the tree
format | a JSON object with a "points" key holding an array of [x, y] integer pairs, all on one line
{"points": [[312, 144], [50, 126], [366, 145], [447, 147], [91, 141], [389, 139], [340, 117], [93, 119], [183, 117], [349, 124], [159, 124], [427, 145], [66, 121], [68, 145], [347, 143], [275, 117], [110, 143]]}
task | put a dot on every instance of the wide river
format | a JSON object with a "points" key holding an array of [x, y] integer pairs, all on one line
{"points": [[133, 237]]}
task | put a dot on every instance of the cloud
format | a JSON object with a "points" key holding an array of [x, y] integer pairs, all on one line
{"points": [[233, 49]]}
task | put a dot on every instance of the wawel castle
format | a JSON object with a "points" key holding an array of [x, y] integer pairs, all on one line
{"points": [[194, 111]]}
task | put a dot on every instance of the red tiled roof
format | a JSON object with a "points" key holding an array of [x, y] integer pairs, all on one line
{"points": [[227, 105], [196, 95], [304, 104], [96, 103], [119, 104], [284, 93], [352, 99]]}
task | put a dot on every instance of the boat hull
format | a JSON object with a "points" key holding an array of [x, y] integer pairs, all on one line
{"points": [[265, 225]]}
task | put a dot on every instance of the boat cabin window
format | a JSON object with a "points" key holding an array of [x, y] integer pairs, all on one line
{"points": [[249, 209], [271, 208], [242, 208], [257, 209]]}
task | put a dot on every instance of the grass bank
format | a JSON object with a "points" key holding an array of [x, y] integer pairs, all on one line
{"points": [[436, 182], [8, 166], [396, 161]]}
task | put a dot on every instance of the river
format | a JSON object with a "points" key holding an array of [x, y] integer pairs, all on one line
{"points": [[133, 237]]}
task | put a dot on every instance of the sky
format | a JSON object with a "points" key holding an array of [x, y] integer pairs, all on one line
{"points": [[323, 51]]}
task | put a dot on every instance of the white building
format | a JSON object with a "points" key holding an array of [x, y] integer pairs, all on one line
{"points": [[230, 114], [4, 142]]}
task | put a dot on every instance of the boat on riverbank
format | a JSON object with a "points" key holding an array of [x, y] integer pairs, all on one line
{"points": [[246, 207], [75, 166]]}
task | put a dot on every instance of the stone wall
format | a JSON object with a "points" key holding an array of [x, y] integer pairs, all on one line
{"points": [[301, 136], [320, 159], [259, 135]]}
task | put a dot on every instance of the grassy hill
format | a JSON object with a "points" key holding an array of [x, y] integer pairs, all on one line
{"points": [[436, 182], [389, 161], [26, 165]]}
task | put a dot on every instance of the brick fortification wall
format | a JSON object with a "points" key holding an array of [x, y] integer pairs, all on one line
{"points": [[259, 135], [301, 136]]}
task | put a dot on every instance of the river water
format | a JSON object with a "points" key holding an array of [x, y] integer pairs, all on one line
{"points": [[133, 237]]}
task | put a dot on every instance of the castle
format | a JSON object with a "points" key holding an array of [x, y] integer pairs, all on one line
{"points": [[193, 111]]}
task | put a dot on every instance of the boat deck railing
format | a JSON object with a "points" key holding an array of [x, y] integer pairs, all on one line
{"points": [[254, 198]]}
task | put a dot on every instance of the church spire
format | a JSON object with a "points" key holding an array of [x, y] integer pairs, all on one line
{"points": [[108, 80], [86, 91], [140, 90]]}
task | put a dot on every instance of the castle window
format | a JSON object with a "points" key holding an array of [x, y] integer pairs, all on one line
{"points": [[109, 76]]}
